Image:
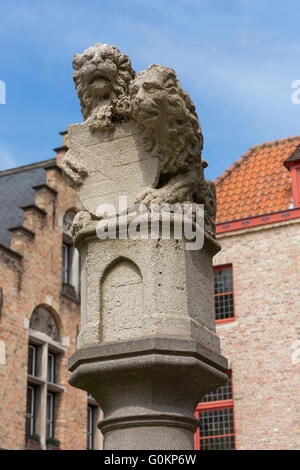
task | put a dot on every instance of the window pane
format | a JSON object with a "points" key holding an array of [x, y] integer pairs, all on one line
{"points": [[51, 368], [30, 411], [224, 306], [222, 393], [66, 263], [223, 280], [90, 428], [50, 416], [223, 293], [216, 422], [79, 275], [32, 360], [30, 393], [28, 427], [217, 443]]}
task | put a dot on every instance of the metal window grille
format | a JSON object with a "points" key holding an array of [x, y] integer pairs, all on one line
{"points": [[218, 443], [216, 419], [216, 429], [224, 306], [222, 393]]}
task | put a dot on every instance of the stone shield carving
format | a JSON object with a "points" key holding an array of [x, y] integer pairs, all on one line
{"points": [[116, 162]]}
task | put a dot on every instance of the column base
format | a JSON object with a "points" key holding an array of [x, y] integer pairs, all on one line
{"points": [[148, 389]]}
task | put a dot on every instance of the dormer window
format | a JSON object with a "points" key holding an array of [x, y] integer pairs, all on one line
{"points": [[298, 183], [293, 165], [295, 175]]}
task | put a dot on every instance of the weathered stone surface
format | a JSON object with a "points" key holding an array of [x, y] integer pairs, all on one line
{"points": [[141, 297], [169, 131], [168, 121], [102, 75], [115, 164], [148, 389], [138, 288]]}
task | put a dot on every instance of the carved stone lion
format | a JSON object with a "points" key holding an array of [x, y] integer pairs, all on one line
{"points": [[109, 92], [207, 195], [170, 126], [102, 75]]}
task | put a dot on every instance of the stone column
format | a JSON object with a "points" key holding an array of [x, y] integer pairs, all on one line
{"points": [[147, 348]]}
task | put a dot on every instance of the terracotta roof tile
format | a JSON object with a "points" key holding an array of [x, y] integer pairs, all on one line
{"points": [[258, 182]]}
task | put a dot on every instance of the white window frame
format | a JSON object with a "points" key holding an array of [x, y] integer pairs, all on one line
{"points": [[46, 346]]}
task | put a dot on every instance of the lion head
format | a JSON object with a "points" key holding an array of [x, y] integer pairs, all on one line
{"points": [[167, 118], [102, 75]]}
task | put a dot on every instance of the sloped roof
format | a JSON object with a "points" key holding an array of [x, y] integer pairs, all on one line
{"points": [[294, 157], [16, 190], [258, 183]]}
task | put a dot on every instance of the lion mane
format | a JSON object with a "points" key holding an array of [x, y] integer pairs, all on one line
{"points": [[117, 70], [181, 145]]}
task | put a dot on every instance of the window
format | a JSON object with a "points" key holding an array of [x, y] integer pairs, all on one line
{"points": [[94, 437], [297, 197], [50, 415], [32, 359], [216, 420], [66, 263], [43, 394], [51, 367], [221, 394], [224, 304], [90, 428], [30, 412], [295, 175]]}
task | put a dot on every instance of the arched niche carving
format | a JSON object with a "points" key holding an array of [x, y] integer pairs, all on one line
{"points": [[122, 301], [43, 320]]}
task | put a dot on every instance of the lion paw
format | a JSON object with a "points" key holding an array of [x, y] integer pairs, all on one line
{"points": [[74, 172], [80, 221]]}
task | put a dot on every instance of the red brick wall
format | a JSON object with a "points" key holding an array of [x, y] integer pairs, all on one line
{"points": [[28, 282], [259, 343]]}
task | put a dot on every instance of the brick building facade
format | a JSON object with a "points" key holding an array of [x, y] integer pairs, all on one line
{"points": [[259, 229], [36, 207]]}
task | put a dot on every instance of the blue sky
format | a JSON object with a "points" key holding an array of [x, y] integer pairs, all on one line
{"points": [[236, 58]]}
